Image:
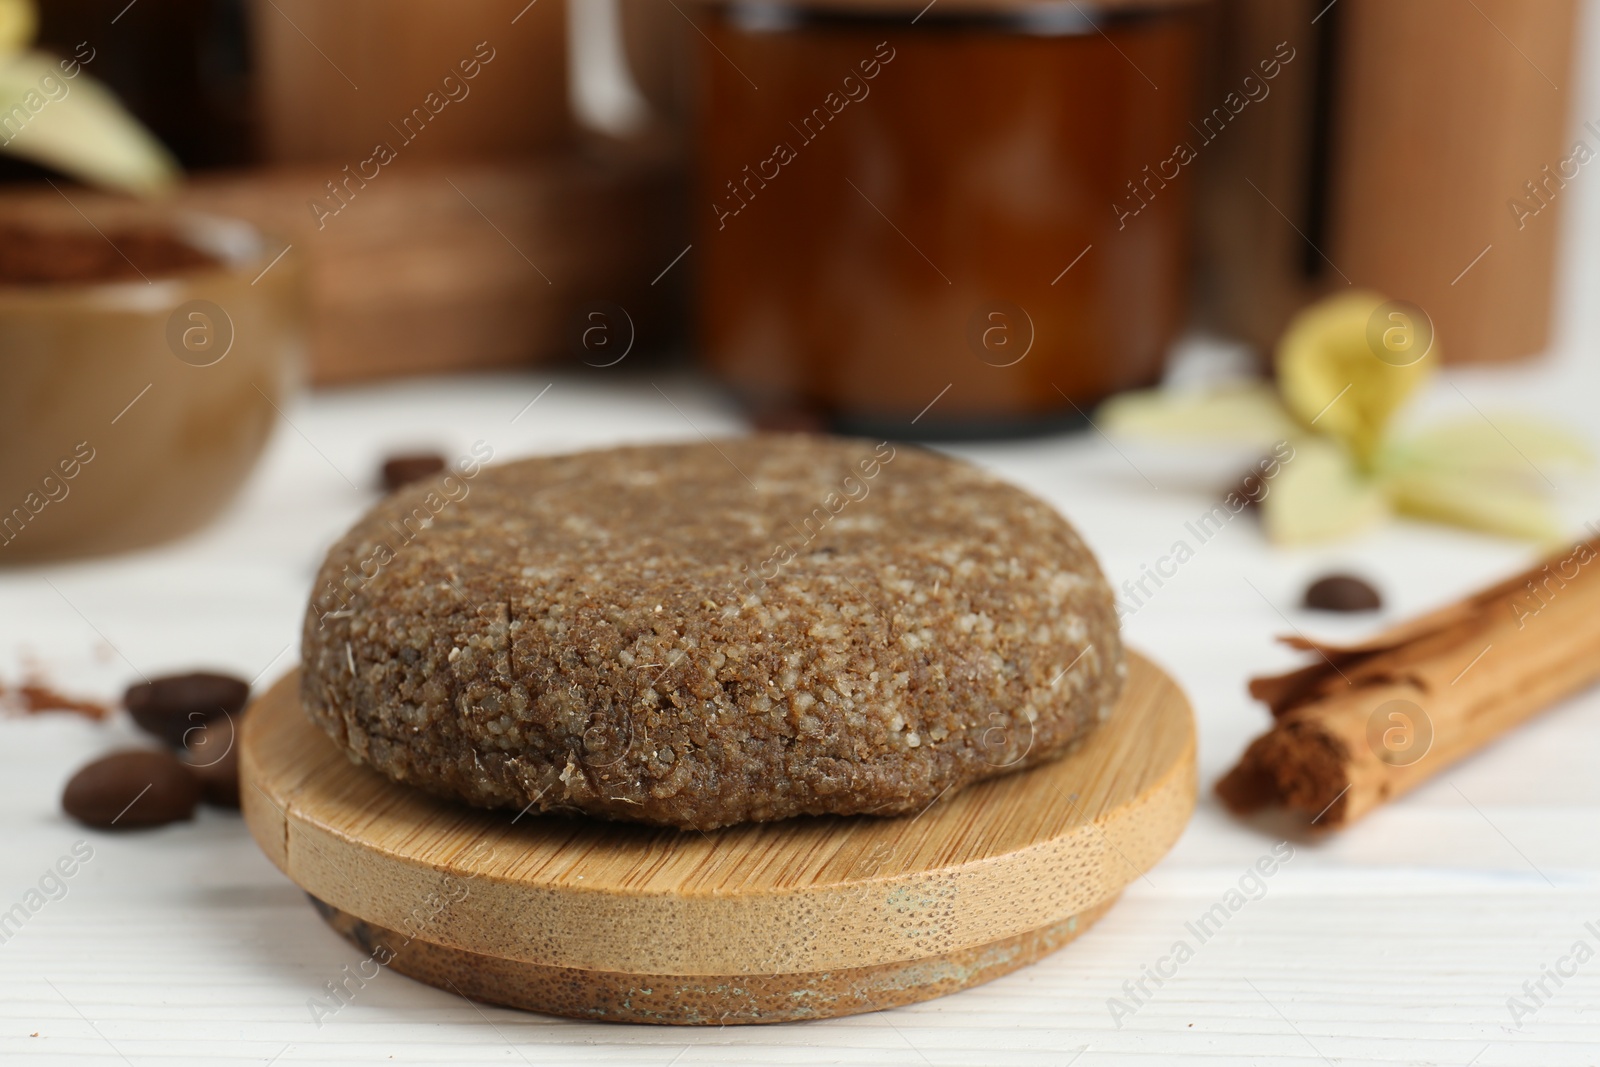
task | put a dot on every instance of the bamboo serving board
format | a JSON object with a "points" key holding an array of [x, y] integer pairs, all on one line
{"points": [[772, 922]]}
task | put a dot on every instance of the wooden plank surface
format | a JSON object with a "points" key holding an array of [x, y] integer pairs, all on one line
{"points": [[1396, 943]]}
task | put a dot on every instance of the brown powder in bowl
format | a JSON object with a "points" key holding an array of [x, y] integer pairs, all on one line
{"points": [[32, 255]]}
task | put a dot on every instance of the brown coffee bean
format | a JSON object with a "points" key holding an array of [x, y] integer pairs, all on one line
{"points": [[169, 707], [212, 755], [410, 467], [132, 789], [1342, 592]]}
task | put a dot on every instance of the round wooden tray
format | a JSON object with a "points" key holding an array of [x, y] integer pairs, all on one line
{"points": [[771, 922]]}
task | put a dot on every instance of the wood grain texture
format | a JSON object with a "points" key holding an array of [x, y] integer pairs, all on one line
{"points": [[1008, 858], [703, 1000]]}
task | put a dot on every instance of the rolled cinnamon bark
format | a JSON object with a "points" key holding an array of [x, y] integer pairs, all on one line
{"points": [[1368, 721]]}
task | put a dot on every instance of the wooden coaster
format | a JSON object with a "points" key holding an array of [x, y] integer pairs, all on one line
{"points": [[771, 922]]}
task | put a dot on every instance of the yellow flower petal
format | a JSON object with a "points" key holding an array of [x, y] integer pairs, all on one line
{"points": [[18, 23], [1499, 447], [1493, 507], [1319, 495], [1247, 412], [1347, 363]]}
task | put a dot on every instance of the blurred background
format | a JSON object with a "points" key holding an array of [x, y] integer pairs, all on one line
{"points": [[957, 220]]}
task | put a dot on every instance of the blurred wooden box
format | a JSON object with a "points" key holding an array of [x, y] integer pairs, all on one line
{"points": [[451, 267], [463, 266], [467, 251], [1390, 154], [335, 76]]}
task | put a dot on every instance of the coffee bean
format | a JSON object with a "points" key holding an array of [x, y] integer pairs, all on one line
{"points": [[169, 707], [132, 789], [212, 755], [410, 467], [1342, 592]]}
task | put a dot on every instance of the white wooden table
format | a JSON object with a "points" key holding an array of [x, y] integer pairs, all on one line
{"points": [[1399, 941]]}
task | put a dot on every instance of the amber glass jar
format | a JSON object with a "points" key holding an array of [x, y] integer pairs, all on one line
{"points": [[979, 208]]}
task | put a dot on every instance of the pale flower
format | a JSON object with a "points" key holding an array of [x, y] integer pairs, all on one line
{"points": [[1345, 367]]}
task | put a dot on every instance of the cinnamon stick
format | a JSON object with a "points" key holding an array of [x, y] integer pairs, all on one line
{"points": [[1366, 722]]}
